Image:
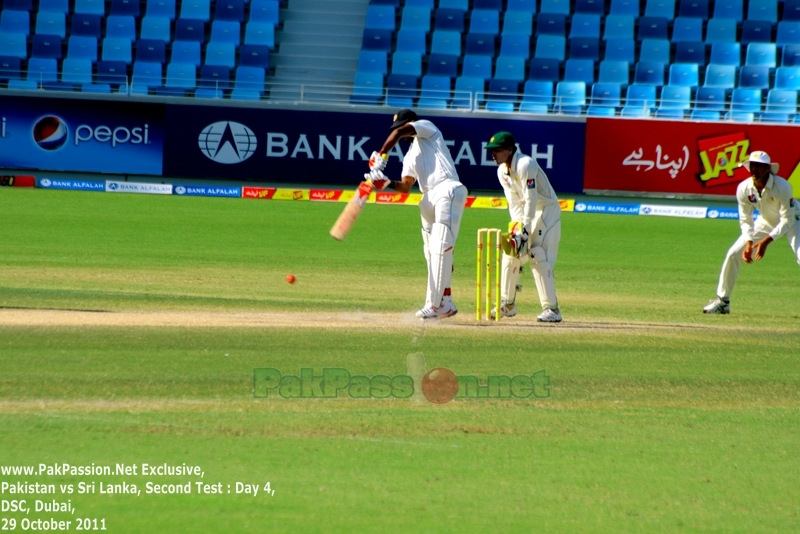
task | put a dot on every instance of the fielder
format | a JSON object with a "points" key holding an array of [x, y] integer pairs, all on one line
{"points": [[429, 163], [535, 227], [780, 215]]}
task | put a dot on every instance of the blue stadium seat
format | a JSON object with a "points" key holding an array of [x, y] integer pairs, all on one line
{"points": [[754, 77], [641, 98], [511, 68], [76, 71], [9, 68], [166, 8], [380, 18], [435, 92], [560, 7], [787, 78], [594, 7], [13, 45], [46, 46], [215, 77], [401, 90], [367, 88], [196, 9], [86, 25], [443, 65], [462, 5], [228, 31], [515, 45], [675, 97], [496, 5], [80, 47], [763, 54], [181, 76], [407, 63], [54, 6], [23, 85], [747, 100], [600, 111], [48, 23], [475, 66], [502, 96], [208, 93], [725, 54], [446, 42], [570, 98], [781, 101], [115, 49], [720, 76], [670, 113], [653, 28], [521, 5], [620, 50], [155, 28], [689, 52], [417, 18], [739, 116], [584, 48], [186, 52], [468, 91], [257, 33], [791, 10], [619, 27], [616, 72], [221, 54], [647, 73], [537, 93], [606, 95], [90, 7], [518, 23], [231, 10], [756, 31], [585, 25], [766, 10], [449, 19], [18, 5], [729, 9], [788, 33], [96, 88], [704, 115], [721, 31], [551, 24], [151, 51], [243, 94], [190, 30], [684, 75], [258, 56], [12, 21], [655, 51], [265, 11], [485, 21], [625, 7], [370, 61], [694, 8], [545, 69], [660, 8], [579, 70], [480, 43], [407, 41], [687, 29], [550, 47], [774, 117], [126, 8], [121, 26], [711, 98], [42, 70], [112, 73], [790, 56]]}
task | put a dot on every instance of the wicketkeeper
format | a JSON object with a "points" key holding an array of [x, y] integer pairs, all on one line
{"points": [[535, 228]]}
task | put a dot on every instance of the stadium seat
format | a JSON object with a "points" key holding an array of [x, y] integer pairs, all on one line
{"points": [[468, 92], [15, 21], [634, 112], [46, 46], [655, 51], [9, 68], [649, 74], [787, 78], [545, 69], [243, 94], [190, 30], [208, 93], [791, 10], [42, 70], [367, 88], [620, 50], [579, 70], [600, 111], [215, 77], [670, 113], [485, 21], [725, 54], [409, 63], [435, 92], [653, 28], [222, 54], [257, 33], [515, 45], [502, 96], [228, 31], [126, 8], [518, 23], [18, 5], [675, 97], [115, 49], [593, 7], [641, 98], [443, 65], [721, 31], [122, 27], [684, 75], [788, 33], [625, 7], [480, 43], [80, 47], [781, 101], [196, 10], [754, 77], [729, 9], [96, 88], [790, 56], [446, 42], [585, 25], [521, 5], [76, 71], [407, 41], [720, 76], [694, 8], [550, 47], [13, 45], [157, 28], [401, 90], [54, 6], [746, 100], [112, 73], [151, 51], [616, 72], [477, 66], [559, 7], [771, 116], [687, 29], [146, 75], [551, 24], [166, 8], [23, 85], [762, 54], [462, 5], [419, 19], [537, 93], [660, 8], [511, 68], [370, 61], [496, 5], [710, 98], [764, 10], [186, 52], [86, 25], [584, 48], [689, 52], [254, 56], [618, 27], [181, 76], [606, 95], [51, 24], [265, 11], [740, 116], [230, 10], [90, 7], [380, 18], [756, 31], [570, 97]]}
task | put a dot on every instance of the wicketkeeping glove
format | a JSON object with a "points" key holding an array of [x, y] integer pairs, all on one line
{"points": [[377, 161], [378, 180]]}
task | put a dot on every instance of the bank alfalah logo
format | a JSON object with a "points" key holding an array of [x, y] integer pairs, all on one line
{"points": [[227, 142]]}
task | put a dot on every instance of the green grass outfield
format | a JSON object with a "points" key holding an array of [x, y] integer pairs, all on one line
{"points": [[659, 418]]}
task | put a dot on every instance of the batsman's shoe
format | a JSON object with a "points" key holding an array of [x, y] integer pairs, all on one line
{"points": [[506, 310], [718, 306], [447, 309], [549, 315]]}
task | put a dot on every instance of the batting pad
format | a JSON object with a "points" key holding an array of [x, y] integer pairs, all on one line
{"points": [[440, 271]]}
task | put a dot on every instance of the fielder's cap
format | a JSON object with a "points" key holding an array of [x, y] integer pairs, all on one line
{"points": [[404, 116], [501, 140], [761, 157]]}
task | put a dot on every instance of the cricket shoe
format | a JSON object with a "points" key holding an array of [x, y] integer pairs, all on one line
{"points": [[506, 310], [447, 309], [549, 315], [718, 306]]}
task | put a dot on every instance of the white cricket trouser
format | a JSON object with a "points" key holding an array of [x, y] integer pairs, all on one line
{"points": [[542, 271], [733, 261], [444, 204]]}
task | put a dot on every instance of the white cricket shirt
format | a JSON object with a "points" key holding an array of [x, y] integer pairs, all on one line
{"points": [[428, 160], [777, 206], [528, 192]]}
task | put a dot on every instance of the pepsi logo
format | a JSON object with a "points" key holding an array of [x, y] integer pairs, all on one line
{"points": [[227, 142], [50, 133]]}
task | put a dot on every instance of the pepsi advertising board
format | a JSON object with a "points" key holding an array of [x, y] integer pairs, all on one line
{"points": [[256, 144], [81, 135]]}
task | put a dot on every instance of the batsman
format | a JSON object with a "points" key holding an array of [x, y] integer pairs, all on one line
{"points": [[535, 228]]}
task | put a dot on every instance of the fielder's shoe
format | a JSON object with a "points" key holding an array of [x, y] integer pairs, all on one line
{"points": [[506, 310], [719, 306], [549, 315], [447, 309]]}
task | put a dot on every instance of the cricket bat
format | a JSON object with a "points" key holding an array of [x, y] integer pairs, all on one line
{"points": [[351, 212]]}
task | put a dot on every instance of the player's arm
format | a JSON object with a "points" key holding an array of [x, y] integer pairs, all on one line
{"points": [[781, 228], [746, 223], [529, 173], [406, 130], [403, 185]]}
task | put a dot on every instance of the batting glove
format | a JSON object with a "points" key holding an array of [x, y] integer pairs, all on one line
{"points": [[377, 161], [378, 180]]}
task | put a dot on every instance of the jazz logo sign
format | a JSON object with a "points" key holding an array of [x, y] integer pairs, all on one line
{"points": [[723, 154]]}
